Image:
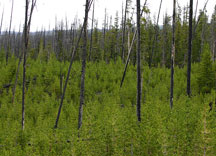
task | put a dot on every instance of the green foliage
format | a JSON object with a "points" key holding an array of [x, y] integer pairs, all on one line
{"points": [[206, 77], [109, 123]]}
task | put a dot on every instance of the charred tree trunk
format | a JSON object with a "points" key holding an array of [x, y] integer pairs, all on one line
{"points": [[123, 30], [82, 88], [92, 28], [24, 62], [9, 32], [189, 49], [130, 49], [26, 39], [198, 20], [172, 55], [138, 64], [156, 35], [70, 66]]}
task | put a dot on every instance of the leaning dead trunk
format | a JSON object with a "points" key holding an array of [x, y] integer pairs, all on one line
{"points": [[156, 36], [70, 67], [123, 31], [130, 49], [82, 88]]}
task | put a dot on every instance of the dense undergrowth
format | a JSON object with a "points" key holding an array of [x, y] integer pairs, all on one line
{"points": [[110, 125]]}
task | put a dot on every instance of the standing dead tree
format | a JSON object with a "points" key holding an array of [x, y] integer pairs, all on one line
{"points": [[2, 17], [172, 55], [156, 36], [189, 49], [9, 34], [28, 17], [82, 88], [198, 20], [92, 28], [130, 49], [70, 66], [138, 64], [124, 28]]}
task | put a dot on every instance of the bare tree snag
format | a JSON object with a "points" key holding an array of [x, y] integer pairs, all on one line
{"points": [[156, 36], [2, 17], [26, 31], [82, 88], [172, 55], [124, 28], [130, 49], [9, 34], [138, 64], [189, 49], [92, 28], [70, 67], [196, 24]]}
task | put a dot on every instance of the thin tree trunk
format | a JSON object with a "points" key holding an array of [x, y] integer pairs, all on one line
{"points": [[164, 42], [196, 24], [24, 63], [9, 32], [2, 17], [128, 40], [26, 39], [156, 35], [172, 55], [196, 11], [69, 69], [92, 28], [82, 88], [123, 30], [130, 49], [138, 64], [189, 49]]}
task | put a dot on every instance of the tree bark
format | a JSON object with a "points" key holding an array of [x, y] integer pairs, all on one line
{"points": [[9, 32], [189, 49], [156, 35], [138, 64], [26, 39], [130, 49], [70, 67], [123, 30], [172, 55], [92, 28], [196, 24], [82, 88]]}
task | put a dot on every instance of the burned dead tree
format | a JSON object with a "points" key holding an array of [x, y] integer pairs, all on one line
{"points": [[27, 24], [172, 55], [70, 66]]}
